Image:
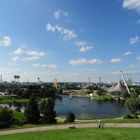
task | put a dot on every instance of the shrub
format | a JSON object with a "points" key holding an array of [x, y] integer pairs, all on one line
{"points": [[70, 117], [18, 109], [6, 117], [128, 117]]}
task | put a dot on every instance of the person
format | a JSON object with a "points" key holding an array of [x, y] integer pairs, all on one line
{"points": [[102, 125], [99, 123]]}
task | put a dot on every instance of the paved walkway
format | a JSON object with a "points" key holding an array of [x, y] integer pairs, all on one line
{"points": [[66, 126]]}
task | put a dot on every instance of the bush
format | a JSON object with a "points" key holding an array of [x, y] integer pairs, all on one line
{"points": [[20, 122], [70, 117], [18, 109], [130, 117], [6, 117]]}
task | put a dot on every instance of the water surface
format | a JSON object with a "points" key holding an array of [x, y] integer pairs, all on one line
{"points": [[86, 108]]}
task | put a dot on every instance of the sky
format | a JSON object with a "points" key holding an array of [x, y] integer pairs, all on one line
{"points": [[70, 40]]}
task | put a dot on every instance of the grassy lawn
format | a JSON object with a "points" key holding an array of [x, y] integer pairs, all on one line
{"points": [[60, 121], [103, 98], [8, 100], [115, 120], [79, 134]]}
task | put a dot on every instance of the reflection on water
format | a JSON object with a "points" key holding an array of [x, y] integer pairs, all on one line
{"points": [[84, 108]]}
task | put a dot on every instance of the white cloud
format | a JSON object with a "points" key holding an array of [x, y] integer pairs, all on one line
{"points": [[53, 66], [138, 58], [78, 62], [138, 21], [16, 58], [134, 40], [19, 51], [34, 53], [28, 55], [25, 59], [115, 60], [67, 33], [58, 14], [84, 47], [49, 66], [132, 4], [36, 65], [95, 61], [5, 41], [83, 61], [50, 28], [127, 53]]}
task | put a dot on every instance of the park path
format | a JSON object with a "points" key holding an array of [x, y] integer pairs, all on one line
{"points": [[66, 126]]}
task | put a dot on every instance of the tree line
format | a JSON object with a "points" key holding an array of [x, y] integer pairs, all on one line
{"points": [[36, 112]]}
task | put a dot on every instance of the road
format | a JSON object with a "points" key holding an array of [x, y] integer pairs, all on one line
{"points": [[66, 126]]}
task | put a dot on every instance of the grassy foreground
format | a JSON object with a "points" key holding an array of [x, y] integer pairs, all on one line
{"points": [[79, 134]]}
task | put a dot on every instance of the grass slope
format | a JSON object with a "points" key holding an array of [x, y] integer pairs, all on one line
{"points": [[79, 134], [11, 100]]}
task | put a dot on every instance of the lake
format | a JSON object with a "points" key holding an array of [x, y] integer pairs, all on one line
{"points": [[86, 108]]}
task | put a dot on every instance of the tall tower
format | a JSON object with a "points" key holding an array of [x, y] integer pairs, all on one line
{"points": [[89, 80], [1, 78], [124, 81], [100, 80]]}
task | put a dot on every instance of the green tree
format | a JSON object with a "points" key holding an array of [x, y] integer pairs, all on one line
{"points": [[133, 103], [125, 95], [47, 110], [100, 91], [32, 113], [70, 117], [6, 117]]}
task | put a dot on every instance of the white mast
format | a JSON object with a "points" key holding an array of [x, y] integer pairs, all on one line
{"points": [[124, 81]]}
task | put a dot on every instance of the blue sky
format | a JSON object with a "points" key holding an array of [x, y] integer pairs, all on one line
{"points": [[70, 40]]}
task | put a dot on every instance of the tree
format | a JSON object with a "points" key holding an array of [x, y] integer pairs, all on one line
{"points": [[6, 117], [100, 91], [32, 113], [125, 95], [70, 117], [47, 110], [133, 103]]}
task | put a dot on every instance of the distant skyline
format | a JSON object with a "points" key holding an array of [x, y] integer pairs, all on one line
{"points": [[70, 40]]}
